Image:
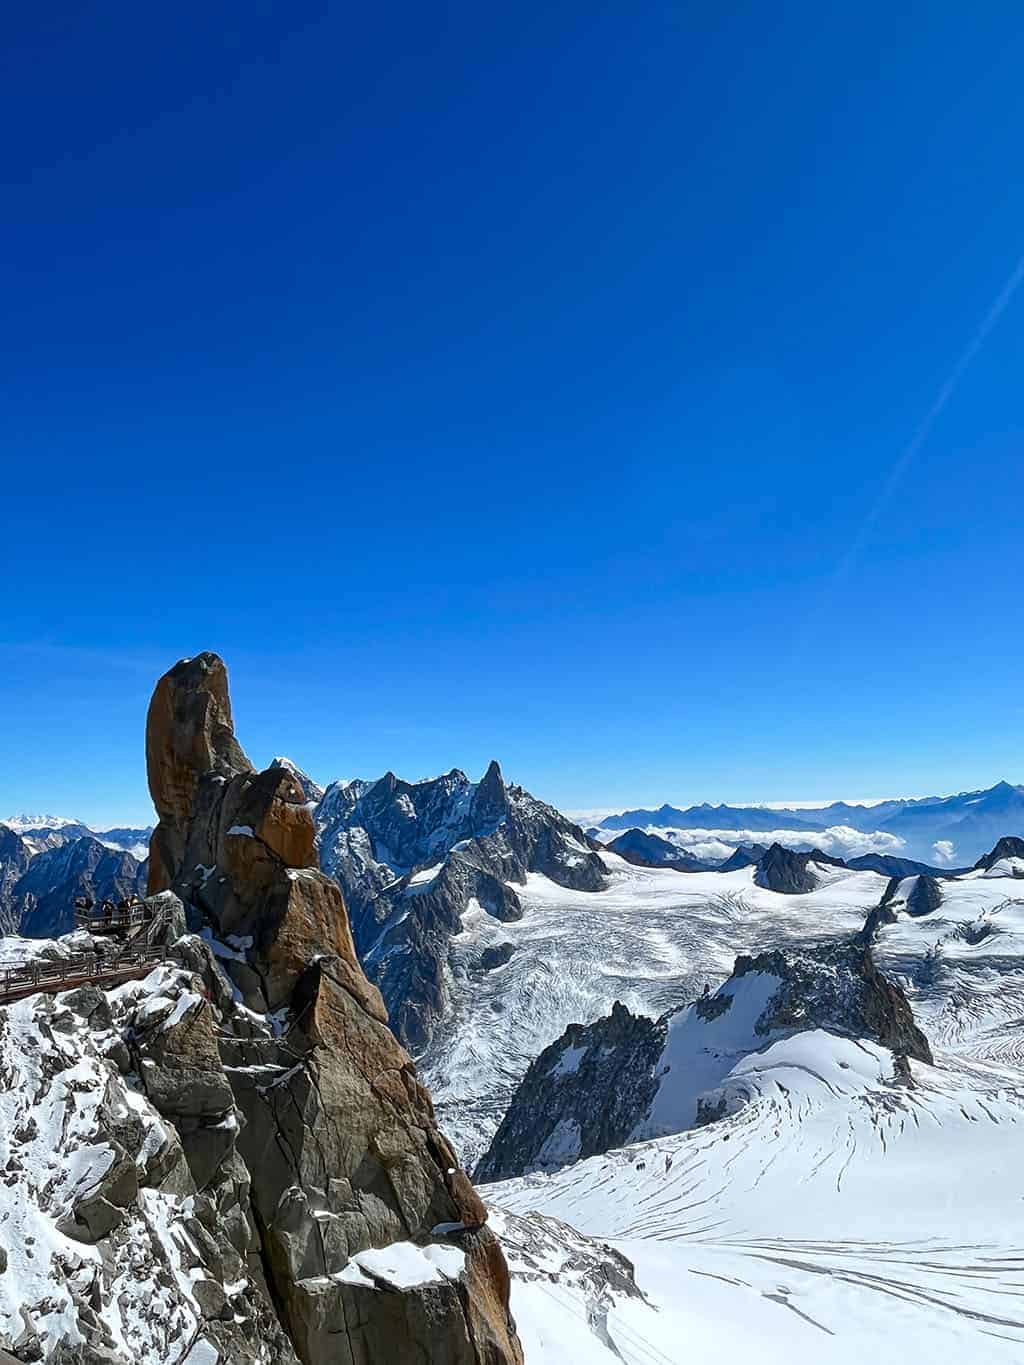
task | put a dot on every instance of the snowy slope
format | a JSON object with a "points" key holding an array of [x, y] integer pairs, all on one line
{"points": [[650, 940], [102, 1254], [962, 966], [837, 1213], [844, 1208]]}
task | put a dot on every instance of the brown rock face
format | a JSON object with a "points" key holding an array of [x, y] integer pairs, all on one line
{"points": [[340, 1139], [189, 735]]}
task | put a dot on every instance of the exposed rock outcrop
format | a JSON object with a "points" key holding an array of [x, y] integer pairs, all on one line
{"points": [[890, 866], [350, 1173], [744, 856], [1009, 851], [917, 895], [783, 870], [412, 857], [836, 987], [581, 1096], [114, 1248], [639, 847], [626, 1078]]}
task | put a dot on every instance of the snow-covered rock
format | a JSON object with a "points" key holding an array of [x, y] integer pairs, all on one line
{"points": [[412, 857], [110, 1248], [651, 940], [623, 1078]]}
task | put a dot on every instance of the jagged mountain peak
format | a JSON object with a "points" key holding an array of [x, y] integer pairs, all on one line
{"points": [[312, 790], [413, 857], [1009, 846], [781, 869], [350, 1163], [626, 1078]]}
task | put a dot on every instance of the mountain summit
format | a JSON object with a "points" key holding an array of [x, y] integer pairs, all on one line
{"points": [[414, 857]]}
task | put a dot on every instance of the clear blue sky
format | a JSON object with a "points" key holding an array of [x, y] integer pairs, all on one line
{"points": [[523, 381]]}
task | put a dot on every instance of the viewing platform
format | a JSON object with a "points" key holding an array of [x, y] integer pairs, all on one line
{"points": [[135, 949]]}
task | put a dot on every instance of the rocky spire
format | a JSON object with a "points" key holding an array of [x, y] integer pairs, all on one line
{"points": [[340, 1137], [189, 736], [780, 869], [490, 804]]}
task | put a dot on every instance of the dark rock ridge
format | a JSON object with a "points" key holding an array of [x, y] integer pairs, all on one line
{"points": [[888, 865], [42, 900], [15, 856], [594, 1088], [916, 895], [839, 988], [1009, 846], [744, 856], [597, 1077], [781, 869], [411, 857], [651, 850], [920, 894], [339, 1134]]}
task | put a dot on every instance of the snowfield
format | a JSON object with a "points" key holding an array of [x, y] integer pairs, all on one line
{"points": [[835, 1213], [846, 1208], [651, 941], [962, 966]]}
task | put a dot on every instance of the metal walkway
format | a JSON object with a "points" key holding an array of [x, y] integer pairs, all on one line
{"points": [[138, 956]]}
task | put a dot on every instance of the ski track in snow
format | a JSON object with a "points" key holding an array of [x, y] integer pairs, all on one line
{"points": [[651, 940], [838, 1216], [868, 1217]]}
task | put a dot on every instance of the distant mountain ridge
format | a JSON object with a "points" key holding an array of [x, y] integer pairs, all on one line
{"points": [[968, 822], [43, 867], [706, 816], [413, 857]]}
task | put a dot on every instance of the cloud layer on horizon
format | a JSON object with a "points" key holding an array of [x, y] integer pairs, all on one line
{"points": [[841, 841]]}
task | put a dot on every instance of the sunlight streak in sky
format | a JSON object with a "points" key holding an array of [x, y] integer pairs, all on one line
{"points": [[913, 446]]}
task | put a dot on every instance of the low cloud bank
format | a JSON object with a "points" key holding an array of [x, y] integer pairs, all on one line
{"points": [[841, 841]]}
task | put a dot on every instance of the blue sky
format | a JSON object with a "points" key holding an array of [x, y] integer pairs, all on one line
{"points": [[517, 381]]}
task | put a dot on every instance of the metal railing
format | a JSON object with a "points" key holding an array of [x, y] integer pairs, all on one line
{"points": [[138, 956], [81, 970]]}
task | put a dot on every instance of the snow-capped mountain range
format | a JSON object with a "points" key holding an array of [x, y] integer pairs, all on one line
{"points": [[754, 1084], [948, 831], [49, 831], [46, 861], [414, 858]]}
